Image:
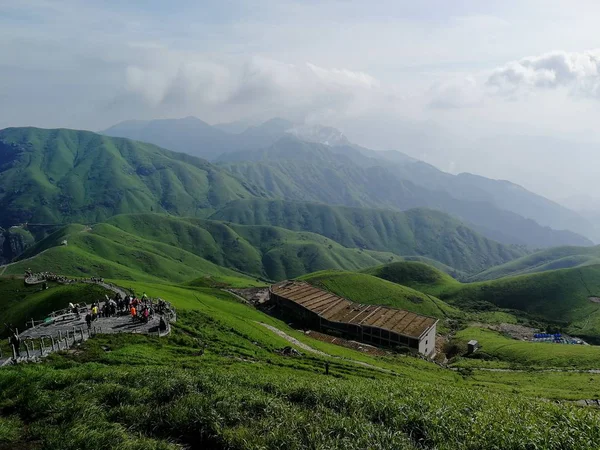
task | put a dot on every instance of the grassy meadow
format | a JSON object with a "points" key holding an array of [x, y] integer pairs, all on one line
{"points": [[521, 354], [219, 382]]}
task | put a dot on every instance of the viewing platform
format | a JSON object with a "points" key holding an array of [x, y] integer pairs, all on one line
{"points": [[62, 329]]}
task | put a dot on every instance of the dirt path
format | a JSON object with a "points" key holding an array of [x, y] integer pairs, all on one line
{"points": [[306, 347], [5, 266], [293, 340]]}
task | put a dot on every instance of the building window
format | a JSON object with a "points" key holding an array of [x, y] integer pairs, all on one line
{"points": [[425, 341]]}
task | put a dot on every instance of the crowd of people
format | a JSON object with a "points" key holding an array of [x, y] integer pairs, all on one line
{"points": [[140, 309]]}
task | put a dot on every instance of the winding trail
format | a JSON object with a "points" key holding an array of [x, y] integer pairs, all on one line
{"points": [[308, 348], [293, 340], [5, 266]]}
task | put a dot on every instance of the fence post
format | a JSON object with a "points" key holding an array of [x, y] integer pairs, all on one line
{"points": [[81, 332], [32, 323], [27, 349], [42, 346], [52, 342], [14, 352], [59, 335]]}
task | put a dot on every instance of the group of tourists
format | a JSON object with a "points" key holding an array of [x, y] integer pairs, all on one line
{"points": [[14, 339], [140, 309]]}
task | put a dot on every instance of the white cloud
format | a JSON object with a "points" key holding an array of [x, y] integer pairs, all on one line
{"points": [[194, 81], [579, 71], [458, 92]]}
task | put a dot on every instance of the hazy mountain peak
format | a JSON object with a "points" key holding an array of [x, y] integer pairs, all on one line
{"points": [[319, 134]]}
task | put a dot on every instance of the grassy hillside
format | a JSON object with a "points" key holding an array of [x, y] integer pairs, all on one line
{"points": [[110, 252], [498, 347], [300, 171], [367, 289], [416, 232], [153, 246], [265, 251], [550, 259], [240, 393], [559, 297], [414, 274], [53, 176]]}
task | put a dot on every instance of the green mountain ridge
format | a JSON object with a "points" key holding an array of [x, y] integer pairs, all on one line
{"points": [[559, 297], [54, 176], [295, 170], [158, 247], [544, 260], [417, 232]]}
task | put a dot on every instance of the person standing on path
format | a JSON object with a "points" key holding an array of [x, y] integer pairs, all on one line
{"points": [[15, 340]]}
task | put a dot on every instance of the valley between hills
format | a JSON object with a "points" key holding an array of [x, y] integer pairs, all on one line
{"points": [[211, 220]]}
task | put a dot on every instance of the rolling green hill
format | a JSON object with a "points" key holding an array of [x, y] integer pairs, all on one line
{"points": [[54, 176], [550, 259], [195, 137], [414, 274], [524, 354], [367, 289], [417, 232], [220, 381], [154, 246], [558, 297], [301, 171]]}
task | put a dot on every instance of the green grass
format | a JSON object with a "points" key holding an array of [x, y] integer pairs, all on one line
{"points": [[542, 261], [153, 246], [367, 289], [53, 176], [529, 354], [558, 299], [417, 275], [218, 382], [417, 233]]}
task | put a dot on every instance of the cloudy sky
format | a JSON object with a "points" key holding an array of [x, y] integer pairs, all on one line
{"points": [[458, 83]]}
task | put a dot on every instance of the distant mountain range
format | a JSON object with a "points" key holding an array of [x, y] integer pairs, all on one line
{"points": [[67, 176], [499, 209], [416, 232], [345, 193], [195, 137], [301, 171]]}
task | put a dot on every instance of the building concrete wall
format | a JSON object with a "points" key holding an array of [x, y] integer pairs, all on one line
{"points": [[371, 335], [427, 342]]}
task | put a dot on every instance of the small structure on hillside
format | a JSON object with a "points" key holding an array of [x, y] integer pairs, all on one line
{"points": [[472, 346], [373, 324]]}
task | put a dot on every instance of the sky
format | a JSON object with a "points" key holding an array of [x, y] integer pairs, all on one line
{"points": [[505, 89]]}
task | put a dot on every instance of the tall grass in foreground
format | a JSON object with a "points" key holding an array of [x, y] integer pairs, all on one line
{"points": [[89, 406]]}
